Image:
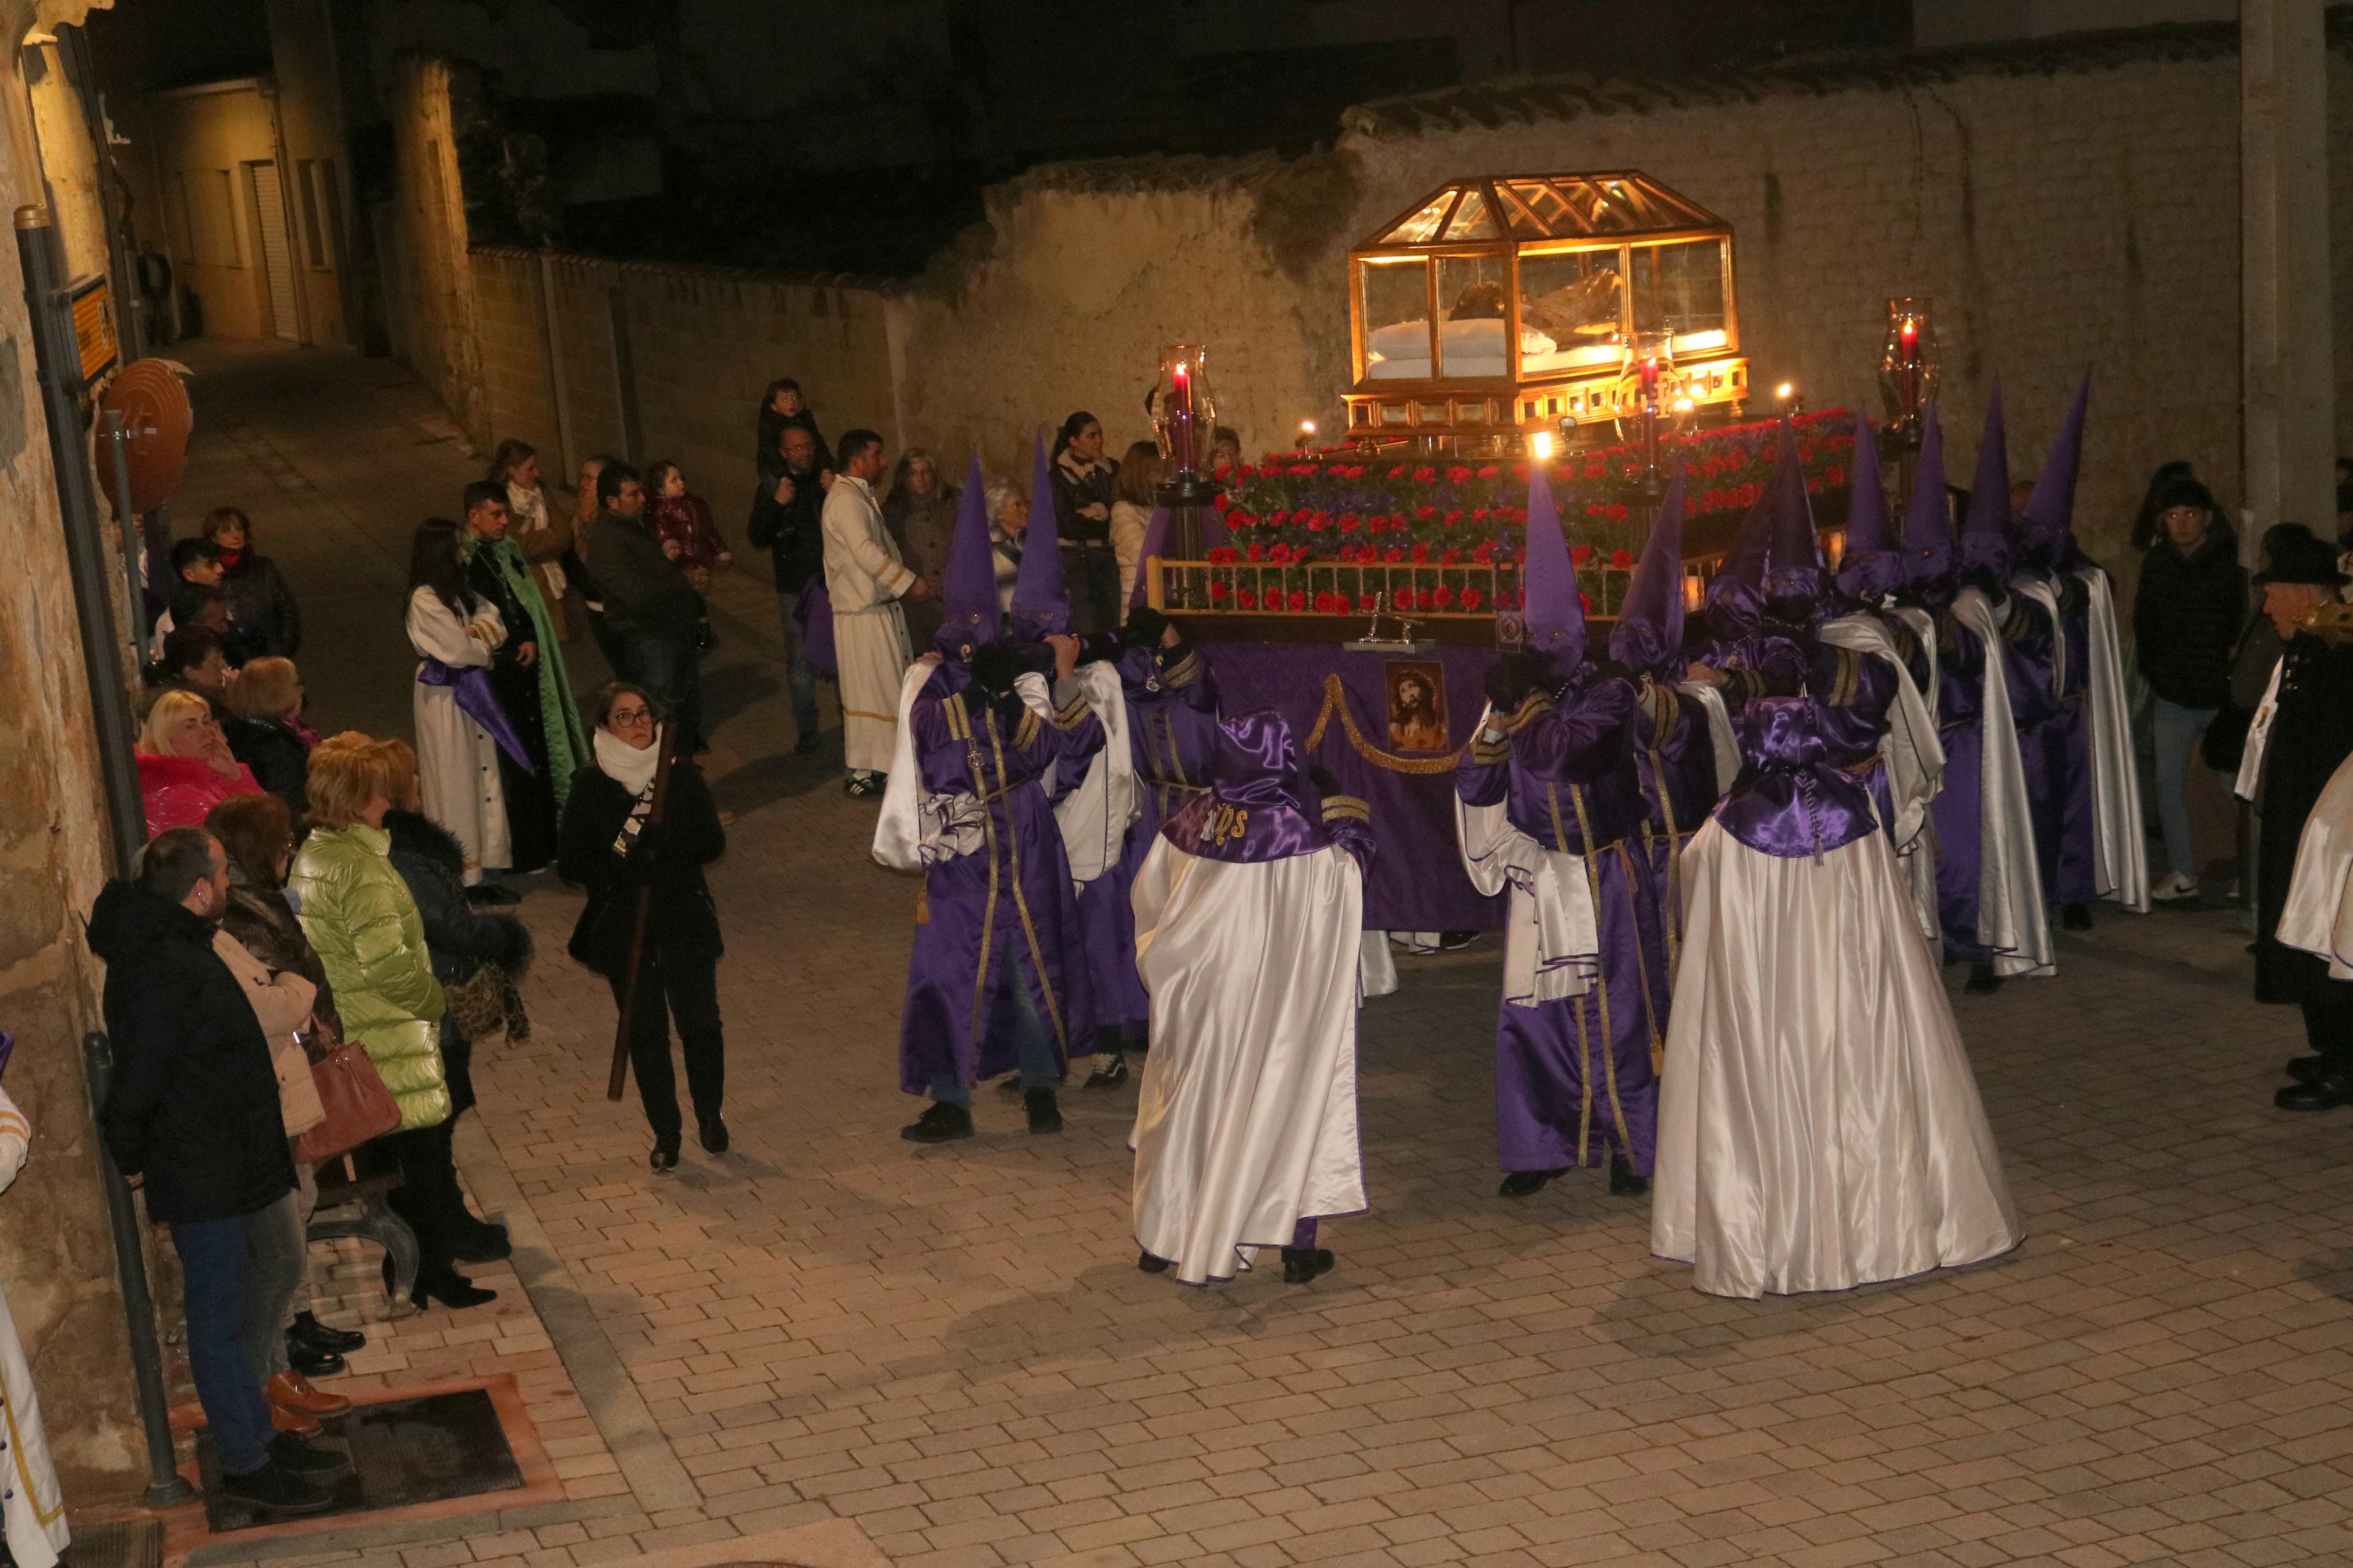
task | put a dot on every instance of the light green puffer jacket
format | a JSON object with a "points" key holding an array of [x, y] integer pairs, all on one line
{"points": [[357, 913]]}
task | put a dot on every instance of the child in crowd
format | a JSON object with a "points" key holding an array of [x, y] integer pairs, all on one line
{"points": [[689, 536]]}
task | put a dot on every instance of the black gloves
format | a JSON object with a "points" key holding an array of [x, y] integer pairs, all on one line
{"points": [[1511, 677], [1144, 626]]}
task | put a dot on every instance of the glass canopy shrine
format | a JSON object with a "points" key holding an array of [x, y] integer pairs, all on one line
{"points": [[1515, 304]]}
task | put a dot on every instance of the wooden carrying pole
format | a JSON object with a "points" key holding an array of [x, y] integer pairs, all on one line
{"points": [[643, 918]]}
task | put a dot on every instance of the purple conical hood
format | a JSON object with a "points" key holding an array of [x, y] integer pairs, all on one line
{"points": [[2050, 510], [1040, 607], [1553, 608], [1648, 636], [1795, 567], [968, 585], [1156, 535], [1985, 533], [1871, 564], [1745, 561], [1928, 520]]}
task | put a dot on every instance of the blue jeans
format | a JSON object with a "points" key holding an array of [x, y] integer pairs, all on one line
{"points": [[216, 1258], [2177, 730], [667, 665], [1033, 1048], [282, 1245], [798, 677]]}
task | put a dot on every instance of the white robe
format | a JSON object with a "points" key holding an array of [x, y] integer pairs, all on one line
{"points": [[35, 1510], [1914, 757], [2119, 840], [2318, 915], [864, 578], [1819, 1125], [457, 760], [1246, 1121], [2010, 917]]}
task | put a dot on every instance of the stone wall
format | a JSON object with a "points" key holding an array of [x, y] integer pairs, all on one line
{"points": [[664, 362], [56, 1256], [427, 278], [2068, 207]]}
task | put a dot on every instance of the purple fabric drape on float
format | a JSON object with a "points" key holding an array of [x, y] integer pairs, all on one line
{"points": [[471, 687], [1416, 881]]}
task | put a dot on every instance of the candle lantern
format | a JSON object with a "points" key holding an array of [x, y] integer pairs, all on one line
{"points": [[1653, 356], [1908, 365], [1184, 417]]}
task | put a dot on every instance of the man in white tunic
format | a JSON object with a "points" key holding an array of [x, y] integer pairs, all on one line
{"points": [[865, 580], [1249, 919], [1819, 1124], [461, 727]]}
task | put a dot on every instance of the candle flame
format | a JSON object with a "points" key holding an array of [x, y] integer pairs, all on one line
{"points": [[1541, 444]]}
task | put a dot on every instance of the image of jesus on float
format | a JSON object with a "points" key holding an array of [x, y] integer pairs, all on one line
{"points": [[1818, 1123]]}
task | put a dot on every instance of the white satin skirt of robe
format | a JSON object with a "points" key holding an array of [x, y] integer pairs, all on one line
{"points": [[871, 655], [457, 777], [1818, 1124], [2318, 915], [1246, 1121]]}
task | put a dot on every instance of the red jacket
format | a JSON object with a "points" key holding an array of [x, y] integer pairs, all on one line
{"points": [[685, 520], [180, 791]]}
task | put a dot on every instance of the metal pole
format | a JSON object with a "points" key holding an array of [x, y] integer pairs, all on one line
{"points": [[165, 1485], [59, 361], [134, 544]]}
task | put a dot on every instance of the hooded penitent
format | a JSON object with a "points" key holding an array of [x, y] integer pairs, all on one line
{"points": [[1040, 608], [1872, 565], [1553, 610], [2046, 535], [1735, 594], [1928, 520], [1985, 533], [968, 586], [1648, 636], [1793, 574]]}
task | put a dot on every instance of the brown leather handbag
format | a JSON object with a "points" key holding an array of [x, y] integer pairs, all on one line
{"points": [[359, 1108]]}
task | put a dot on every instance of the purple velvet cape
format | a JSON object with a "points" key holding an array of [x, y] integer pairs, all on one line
{"points": [[1172, 727], [1791, 801], [1958, 809], [1574, 1080], [1010, 902], [1674, 761], [2056, 752]]}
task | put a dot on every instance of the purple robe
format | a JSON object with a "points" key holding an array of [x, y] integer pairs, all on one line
{"points": [[1008, 902], [2045, 734], [1172, 728], [1851, 693], [1674, 758], [1958, 809], [1576, 1079]]}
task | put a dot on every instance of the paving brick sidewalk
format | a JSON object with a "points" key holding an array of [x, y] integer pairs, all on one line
{"points": [[951, 1348]]}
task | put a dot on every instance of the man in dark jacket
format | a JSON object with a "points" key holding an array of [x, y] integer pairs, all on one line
{"points": [[2310, 735], [192, 1115], [2186, 616], [787, 520], [650, 604]]}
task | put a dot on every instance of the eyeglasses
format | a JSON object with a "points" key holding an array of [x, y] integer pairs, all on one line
{"points": [[620, 716]]}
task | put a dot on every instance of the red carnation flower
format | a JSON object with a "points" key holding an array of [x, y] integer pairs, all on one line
{"points": [[1220, 501], [1425, 512], [1395, 552], [1368, 603], [1458, 475], [1441, 596], [1298, 600], [1488, 470], [1621, 559], [1246, 472], [1350, 522], [1616, 512], [1478, 514], [1220, 592], [1470, 598], [1420, 554], [1585, 602], [1402, 598], [1397, 473], [1452, 557], [1595, 470], [1424, 475], [1452, 518], [1484, 555], [1247, 599], [1258, 551], [1579, 555]]}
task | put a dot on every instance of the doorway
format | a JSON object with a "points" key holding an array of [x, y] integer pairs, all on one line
{"points": [[276, 274]]}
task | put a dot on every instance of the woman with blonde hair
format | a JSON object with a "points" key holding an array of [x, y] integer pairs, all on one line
{"points": [[541, 531], [266, 731], [186, 767], [1133, 498], [358, 914]]}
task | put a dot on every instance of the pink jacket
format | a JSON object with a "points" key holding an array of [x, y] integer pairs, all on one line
{"points": [[685, 520], [179, 792]]}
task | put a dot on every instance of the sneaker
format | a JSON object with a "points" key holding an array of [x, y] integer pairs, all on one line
{"points": [[275, 1490], [2174, 889], [863, 787], [938, 1125], [1111, 1075]]}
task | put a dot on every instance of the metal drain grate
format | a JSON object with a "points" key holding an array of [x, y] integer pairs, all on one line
{"points": [[409, 1451], [135, 1543]]}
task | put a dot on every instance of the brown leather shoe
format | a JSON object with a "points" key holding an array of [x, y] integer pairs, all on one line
{"points": [[292, 1391], [294, 1421]]}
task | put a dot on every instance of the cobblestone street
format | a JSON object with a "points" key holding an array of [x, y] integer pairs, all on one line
{"points": [[852, 1351]]}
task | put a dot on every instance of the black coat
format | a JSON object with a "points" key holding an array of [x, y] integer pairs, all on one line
{"points": [[2185, 618], [2311, 735], [794, 532], [279, 760], [262, 611], [193, 1105], [685, 925], [459, 939], [645, 591]]}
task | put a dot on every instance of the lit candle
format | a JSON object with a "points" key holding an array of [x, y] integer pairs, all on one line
{"points": [[1540, 444], [1649, 371], [1694, 591], [1180, 417]]}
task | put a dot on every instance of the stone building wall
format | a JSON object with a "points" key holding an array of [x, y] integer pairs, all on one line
{"points": [[428, 274], [2070, 205], [56, 1255]]}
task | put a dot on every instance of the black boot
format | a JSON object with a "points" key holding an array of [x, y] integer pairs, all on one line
{"points": [[2305, 1069], [1983, 981], [291, 1454], [275, 1490], [1150, 1264], [480, 1241], [1525, 1184], [309, 1330], [452, 1289], [1623, 1181], [664, 1158], [1045, 1115], [310, 1361], [712, 1130], [938, 1125], [1301, 1264]]}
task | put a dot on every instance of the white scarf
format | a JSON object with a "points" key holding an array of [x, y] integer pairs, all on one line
{"points": [[627, 765]]}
